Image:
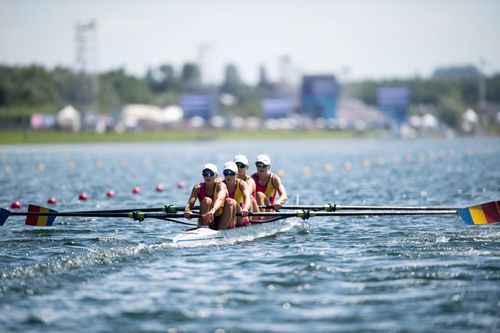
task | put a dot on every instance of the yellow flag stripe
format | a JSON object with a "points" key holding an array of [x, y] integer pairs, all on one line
{"points": [[42, 220], [478, 215]]}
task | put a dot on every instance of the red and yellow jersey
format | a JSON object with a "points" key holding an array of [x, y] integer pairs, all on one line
{"points": [[203, 191], [247, 178], [203, 194], [268, 188], [237, 195]]}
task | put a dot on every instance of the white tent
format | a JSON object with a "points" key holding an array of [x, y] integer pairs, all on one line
{"points": [[172, 114], [69, 118], [137, 115]]}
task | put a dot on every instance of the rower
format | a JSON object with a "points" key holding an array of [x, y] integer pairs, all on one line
{"points": [[267, 184], [239, 192], [211, 193], [242, 164]]}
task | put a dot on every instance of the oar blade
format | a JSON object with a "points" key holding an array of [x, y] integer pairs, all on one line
{"points": [[40, 220], [4, 215], [481, 214]]}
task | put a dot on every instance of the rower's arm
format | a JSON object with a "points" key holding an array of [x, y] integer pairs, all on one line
{"points": [[192, 199], [278, 184], [245, 189], [221, 195], [252, 188]]}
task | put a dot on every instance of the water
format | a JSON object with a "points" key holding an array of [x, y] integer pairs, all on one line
{"points": [[387, 274]]}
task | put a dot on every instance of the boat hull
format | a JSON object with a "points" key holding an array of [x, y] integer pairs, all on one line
{"points": [[207, 236]]}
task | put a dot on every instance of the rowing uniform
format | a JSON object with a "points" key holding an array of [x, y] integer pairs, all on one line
{"points": [[238, 196], [247, 178], [268, 188], [203, 194]]}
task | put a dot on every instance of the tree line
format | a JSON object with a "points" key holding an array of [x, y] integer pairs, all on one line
{"points": [[25, 90]]}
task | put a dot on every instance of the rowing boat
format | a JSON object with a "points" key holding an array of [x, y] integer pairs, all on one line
{"points": [[205, 236]]}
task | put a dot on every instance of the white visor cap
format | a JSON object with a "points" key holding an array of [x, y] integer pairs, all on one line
{"points": [[241, 158], [231, 166], [211, 167], [264, 159]]}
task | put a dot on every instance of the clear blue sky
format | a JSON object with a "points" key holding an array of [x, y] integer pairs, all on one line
{"points": [[352, 38]]}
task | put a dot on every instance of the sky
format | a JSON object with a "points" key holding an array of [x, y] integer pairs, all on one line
{"points": [[353, 39]]}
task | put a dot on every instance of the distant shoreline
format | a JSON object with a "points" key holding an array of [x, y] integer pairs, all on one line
{"points": [[8, 137]]}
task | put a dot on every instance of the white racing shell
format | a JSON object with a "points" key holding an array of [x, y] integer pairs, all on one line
{"points": [[206, 236]]}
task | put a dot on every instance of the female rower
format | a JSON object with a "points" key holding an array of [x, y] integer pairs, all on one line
{"points": [[242, 164], [215, 211], [267, 184], [239, 192]]}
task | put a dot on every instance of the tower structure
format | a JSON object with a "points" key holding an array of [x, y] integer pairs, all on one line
{"points": [[86, 66]]}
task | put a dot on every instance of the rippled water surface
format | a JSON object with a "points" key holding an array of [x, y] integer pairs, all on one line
{"points": [[328, 274]]}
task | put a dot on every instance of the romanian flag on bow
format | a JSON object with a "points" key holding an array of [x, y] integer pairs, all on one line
{"points": [[40, 220], [481, 214]]}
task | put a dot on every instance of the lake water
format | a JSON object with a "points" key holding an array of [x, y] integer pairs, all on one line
{"points": [[329, 274]]}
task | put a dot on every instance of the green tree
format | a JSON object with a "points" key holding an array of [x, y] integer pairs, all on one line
{"points": [[162, 79], [263, 82], [190, 77], [450, 109], [232, 83]]}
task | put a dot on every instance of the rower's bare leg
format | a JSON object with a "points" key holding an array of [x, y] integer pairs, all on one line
{"points": [[228, 217], [239, 219], [205, 206], [262, 200], [255, 206]]}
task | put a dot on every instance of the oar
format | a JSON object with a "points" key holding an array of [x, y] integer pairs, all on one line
{"points": [[335, 208], [42, 216], [485, 213], [479, 214], [165, 208]]}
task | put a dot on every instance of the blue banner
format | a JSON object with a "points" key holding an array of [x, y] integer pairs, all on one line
{"points": [[197, 105], [276, 107], [319, 96], [394, 102]]}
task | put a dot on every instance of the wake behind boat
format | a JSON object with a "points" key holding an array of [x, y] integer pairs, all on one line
{"points": [[208, 237]]}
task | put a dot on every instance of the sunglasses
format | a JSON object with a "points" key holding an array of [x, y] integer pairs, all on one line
{"points": [[229, 173], [208, 173], [260, 165], [240, 165]]}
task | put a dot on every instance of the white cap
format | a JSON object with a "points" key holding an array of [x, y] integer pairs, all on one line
{"points": [[231, 166], [241, 158], [211, 167], [264, 159]]}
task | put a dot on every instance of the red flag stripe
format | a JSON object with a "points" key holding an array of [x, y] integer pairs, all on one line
{"points": [[491, 211]]}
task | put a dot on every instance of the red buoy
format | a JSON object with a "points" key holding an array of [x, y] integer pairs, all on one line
{"points": [[51, 201], [136, 190], [83, 196], [15, 205], [181, 185], [110, 193], [159, 188]]}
